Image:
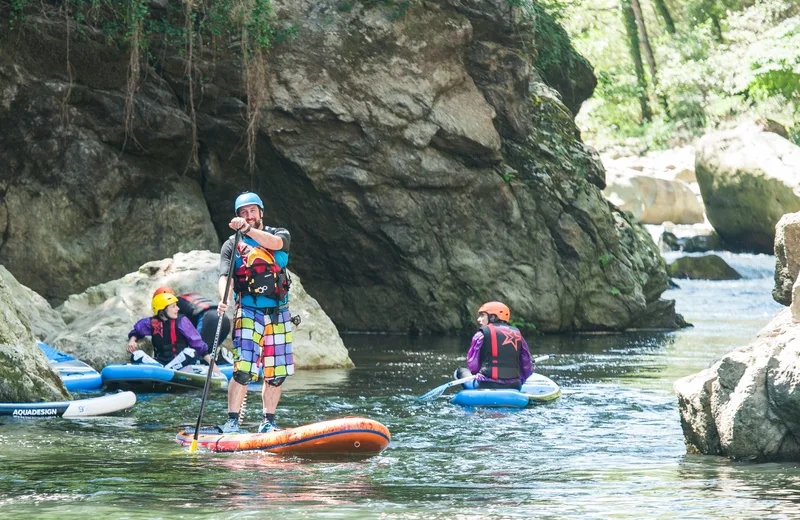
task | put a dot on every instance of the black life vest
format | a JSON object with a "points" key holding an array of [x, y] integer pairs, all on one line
{"points": [[193, 305], [167, 339], [259, 274], [500, 351]]}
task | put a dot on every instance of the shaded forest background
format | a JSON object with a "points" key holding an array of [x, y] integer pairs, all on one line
{"points": [[670, 70]]}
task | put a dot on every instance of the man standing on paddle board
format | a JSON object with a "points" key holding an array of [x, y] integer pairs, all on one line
{"points": [[262, 327], [499, 355]]}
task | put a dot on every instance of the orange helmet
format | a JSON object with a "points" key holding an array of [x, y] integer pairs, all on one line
{"points": [[163, 289], [499, 309]]}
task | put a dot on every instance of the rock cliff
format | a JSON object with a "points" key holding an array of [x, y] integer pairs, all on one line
{"points": [[423, 155]]}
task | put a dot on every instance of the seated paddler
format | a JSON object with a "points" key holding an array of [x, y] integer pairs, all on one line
{"points": [[498, 355], [176, 342]]}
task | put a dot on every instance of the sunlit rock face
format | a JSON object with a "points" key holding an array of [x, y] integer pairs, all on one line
{"points": [[747, 405], [749, 178], [787, 257]]}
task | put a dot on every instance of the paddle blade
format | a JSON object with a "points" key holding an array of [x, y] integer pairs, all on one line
{"points": [[439, 390], [193, 447], [433, 394]]}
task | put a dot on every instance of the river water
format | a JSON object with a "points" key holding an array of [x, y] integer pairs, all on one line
{"points": [[610, 447]]}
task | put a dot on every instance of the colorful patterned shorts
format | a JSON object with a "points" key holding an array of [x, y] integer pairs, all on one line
{"points": [[254, 336]]}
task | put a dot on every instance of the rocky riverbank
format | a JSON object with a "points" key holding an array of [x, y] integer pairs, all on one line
{"points": [[93, 325]]}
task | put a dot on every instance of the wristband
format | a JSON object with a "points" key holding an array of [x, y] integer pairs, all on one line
{"points": [[246, 231]]}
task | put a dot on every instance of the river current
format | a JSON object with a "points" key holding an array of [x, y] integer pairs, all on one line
{"points": [[610, 447]]}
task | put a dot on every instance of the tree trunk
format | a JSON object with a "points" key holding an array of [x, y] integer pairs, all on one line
{"points": [[661, 7], [629, 18], [717, 27], [648, 51], [645, 41]]}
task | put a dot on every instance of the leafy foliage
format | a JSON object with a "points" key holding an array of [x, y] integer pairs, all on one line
{"points": [[728, 60], [526, 327], [605, 259]]}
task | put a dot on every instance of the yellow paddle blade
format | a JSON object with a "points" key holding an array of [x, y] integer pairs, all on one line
{"points": [[194, 446]]}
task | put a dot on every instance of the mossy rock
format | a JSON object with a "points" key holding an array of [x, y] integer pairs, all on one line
{"points": [[708, 267], [701, 243], [25, 374]]}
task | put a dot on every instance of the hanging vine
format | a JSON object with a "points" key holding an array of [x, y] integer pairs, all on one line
{"points": [[189, 19], [68, 91], [255, 44], [137, 13], [246, 25]]}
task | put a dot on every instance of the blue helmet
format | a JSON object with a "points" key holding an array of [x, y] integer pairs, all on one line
{"points": [[246, 199]]}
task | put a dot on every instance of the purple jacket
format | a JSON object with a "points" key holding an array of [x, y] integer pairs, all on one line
{"points": [[143, 328], [474, 361]]}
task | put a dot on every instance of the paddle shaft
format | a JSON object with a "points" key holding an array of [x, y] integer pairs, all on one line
{"points": [[207, 386]]}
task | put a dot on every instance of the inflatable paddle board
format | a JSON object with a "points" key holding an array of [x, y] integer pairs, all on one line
{"points": [[537, 388], [346, 436], [143, 375], [81, 408], [75, 374]]}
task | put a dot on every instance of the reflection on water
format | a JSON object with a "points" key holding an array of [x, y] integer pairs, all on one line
{"points": [[610, 447]]}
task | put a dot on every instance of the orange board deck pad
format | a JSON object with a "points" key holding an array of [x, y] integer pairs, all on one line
{"points": [[345, 436]]}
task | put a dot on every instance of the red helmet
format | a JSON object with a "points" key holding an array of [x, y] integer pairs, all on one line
{"points": [[497, 308], [162, 290]]}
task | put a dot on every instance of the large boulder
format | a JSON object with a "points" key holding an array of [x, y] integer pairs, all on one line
{"points": [[747, 405], [99, 319], [409, 149], [652, 200], [787, 257], [43, 319], [749, 178], [25, 373], [706, 267]]}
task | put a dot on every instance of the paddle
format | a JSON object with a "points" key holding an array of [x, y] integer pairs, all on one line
{"points": [[543, 358], [216, 343], [439, 390]]}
